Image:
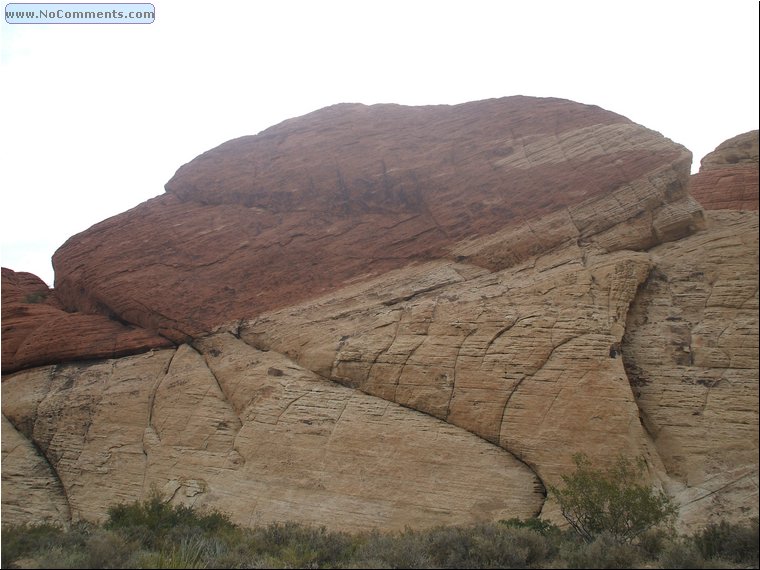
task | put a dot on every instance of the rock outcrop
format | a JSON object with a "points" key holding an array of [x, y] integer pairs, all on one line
{"points": [[37, 330], [249, 432], [298, 210], [691, 352], [727, 177], [387, 316]]}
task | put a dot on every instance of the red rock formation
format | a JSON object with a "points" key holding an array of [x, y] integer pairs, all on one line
{"points": [[532, 242], [36, 330], [265, 221], [728, 176]]}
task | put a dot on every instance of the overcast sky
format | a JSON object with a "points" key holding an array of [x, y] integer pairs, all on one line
{"points": [[96, 118]]}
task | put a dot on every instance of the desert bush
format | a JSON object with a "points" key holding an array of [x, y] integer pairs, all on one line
{"points": [[398, 550], [654, 541], [494, 546], [605, 551], [682, 554], [552, 534], [21, 541], [478, 546], [187, 554], [734, 542], [103, 549], [58, 556], [611, 501], [185, 539], [297, 545], [153, 522]]}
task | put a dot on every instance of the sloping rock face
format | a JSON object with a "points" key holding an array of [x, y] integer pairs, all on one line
{"points": [[225, 425], [520, 357], [727, 176], [36, 330], [266, 221], [389, 316]]}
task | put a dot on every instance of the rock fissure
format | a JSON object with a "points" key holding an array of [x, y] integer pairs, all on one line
{"points": [[150, 428], [751, 476], [454, 368], [57, 483], [512, 392]]}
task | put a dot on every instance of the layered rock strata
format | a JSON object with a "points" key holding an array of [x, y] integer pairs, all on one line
{"points": [[36, 329], [727, 177], [691, 351], [298, 210], [390, 316]]}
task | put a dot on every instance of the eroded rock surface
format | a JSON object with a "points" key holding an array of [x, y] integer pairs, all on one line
{"points": [[251, 433], [298, 210], [728, 176], [528, 357], [691, 349], [390, 316], [37, 331], [31, 491]]}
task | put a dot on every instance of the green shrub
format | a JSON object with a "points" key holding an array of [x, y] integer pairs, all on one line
{"points": [[151, 522], [611, 501], [299, 546], [542, 527], [36, 297], [22, 541], [728, 541], [653, 542], [682, 554], [400, 550], [606, 551]]}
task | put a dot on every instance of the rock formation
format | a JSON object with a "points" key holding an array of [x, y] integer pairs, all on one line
{"points": [[387, 316], [266, 221], [691, 351], [247, 432], [727, 177], [37, 330]]}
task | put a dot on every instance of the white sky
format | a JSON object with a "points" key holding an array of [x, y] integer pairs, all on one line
{"points": [[96, 118]]}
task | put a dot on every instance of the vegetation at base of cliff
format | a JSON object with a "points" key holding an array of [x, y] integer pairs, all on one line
{"points": [[615, 501], [154, 534]]}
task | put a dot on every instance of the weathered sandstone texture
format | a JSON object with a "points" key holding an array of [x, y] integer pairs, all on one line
{"points": [[265, 221], [530, 357], [527, 358], [36, 330], [249, 432], [728, 176], [389, 316], [691, 350]]}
